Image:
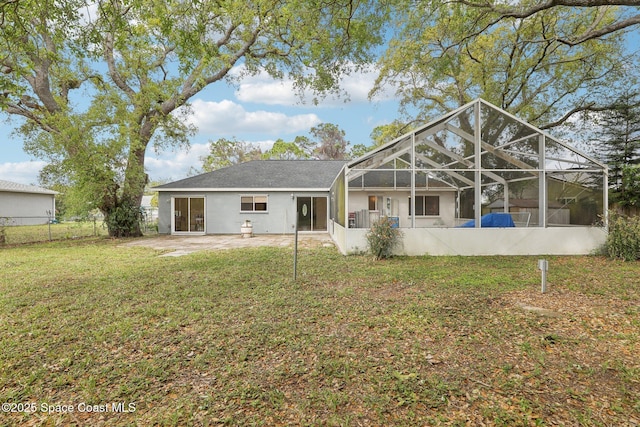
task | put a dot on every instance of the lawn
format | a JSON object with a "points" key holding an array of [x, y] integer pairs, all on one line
{"points": [[91, 329]]}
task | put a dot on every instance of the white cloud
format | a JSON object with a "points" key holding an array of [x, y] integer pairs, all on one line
{"points": [[21, 172], [226, 118], [177, 165], [264, 89], [174, 165]]}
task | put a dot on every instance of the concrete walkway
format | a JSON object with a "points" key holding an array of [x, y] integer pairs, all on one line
{"points": [[183, 245]]}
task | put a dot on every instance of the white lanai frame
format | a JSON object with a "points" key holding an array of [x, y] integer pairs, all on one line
{"points": [[479, 148]]}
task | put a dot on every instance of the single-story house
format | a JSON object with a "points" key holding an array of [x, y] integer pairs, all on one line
{"points": [[268, 193], [22, 204], [430, 181]]}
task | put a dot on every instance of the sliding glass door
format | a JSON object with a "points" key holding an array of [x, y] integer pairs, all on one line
{"points": [[188, 215]]}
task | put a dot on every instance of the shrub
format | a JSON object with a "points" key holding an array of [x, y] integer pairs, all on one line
{"points": [[382, 238], [623, 241]]}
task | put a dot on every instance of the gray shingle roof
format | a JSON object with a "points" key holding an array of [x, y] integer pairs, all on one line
{"points": [[14, 187], [265, 174]]}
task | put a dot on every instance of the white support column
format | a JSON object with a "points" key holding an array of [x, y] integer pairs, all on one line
{"points": [[413, 180], [605, 198], [477, 139], [542, 183], [346, 198]]}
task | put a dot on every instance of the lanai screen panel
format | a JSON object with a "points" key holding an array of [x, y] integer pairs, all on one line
{"points": [[495, 163], [337, 202]]}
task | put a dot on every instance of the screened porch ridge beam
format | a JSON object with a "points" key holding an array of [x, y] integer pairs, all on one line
{"points": [[461, 159], [498, 153], [451, 173], [489, 148], [515, 141], [375, 163]]}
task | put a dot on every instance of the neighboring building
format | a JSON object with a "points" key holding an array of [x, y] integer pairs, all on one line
{"points": [[150, 211], [26, 204], [474, 160]]}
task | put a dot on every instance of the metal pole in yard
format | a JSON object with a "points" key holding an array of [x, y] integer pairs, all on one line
{"points": [[543, 265], [295, 245], [49, 222]]}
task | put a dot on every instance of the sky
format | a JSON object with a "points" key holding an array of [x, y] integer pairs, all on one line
{"points": [[259, 110]]}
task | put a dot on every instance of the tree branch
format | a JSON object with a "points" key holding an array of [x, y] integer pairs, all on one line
{"points": [[515, 12]]}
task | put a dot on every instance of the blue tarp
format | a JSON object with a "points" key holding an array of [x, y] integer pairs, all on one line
{"points": [[502, 219]]}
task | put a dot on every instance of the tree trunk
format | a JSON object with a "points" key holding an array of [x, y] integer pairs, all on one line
{"points": [[124, 216]]}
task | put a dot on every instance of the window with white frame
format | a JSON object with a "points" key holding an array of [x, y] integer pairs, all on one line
{"points": [[426, 206], [253, 203]]}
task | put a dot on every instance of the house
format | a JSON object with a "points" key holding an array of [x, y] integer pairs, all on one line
{"points": [[449, 172], [26, 204], [268, 193]]}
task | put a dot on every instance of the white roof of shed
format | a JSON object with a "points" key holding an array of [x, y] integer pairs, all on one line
{"points": [[14, 187]]}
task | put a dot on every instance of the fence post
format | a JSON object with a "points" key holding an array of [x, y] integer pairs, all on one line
{"points": [[49, 223]]}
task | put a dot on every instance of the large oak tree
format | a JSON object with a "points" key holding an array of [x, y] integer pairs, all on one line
{"points": [[99, 82], [445, 54]]}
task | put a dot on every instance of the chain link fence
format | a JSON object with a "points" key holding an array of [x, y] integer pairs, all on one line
{"points": [[18, 230]]}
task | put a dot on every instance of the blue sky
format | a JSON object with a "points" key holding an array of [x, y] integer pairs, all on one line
{"points": [[259, 109]]}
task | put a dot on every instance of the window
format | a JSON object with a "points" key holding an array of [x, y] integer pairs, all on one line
{"points": [[426, 205], [373, 203], [253, 203]]}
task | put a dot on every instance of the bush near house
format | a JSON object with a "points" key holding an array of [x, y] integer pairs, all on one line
{"points": [[623, 241], [382, 238]]}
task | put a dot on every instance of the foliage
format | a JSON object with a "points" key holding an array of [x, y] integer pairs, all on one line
{"points": [[619, 147], [382, 238], [300, 148], [99, 83], [330, 142], [206, 339], [626, 15], [623, 241], [226, 152], [124, 218], [518, 65]]}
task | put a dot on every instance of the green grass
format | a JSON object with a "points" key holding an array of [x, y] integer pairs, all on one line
{"points": [[227, 337]]}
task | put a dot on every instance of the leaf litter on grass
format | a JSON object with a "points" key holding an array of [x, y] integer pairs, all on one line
{"points": [[206, 340]]}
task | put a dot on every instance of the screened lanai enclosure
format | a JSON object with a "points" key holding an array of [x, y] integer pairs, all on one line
{"points": [[477, 181]]}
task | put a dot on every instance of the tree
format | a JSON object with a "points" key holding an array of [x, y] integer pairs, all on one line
{"points": [[300, 148], [443, 56], [620, 148], [98, 83], [225, 152], [599, 26], [330, 142]]}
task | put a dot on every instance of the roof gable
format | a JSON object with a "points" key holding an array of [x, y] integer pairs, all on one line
{"points": [[264, 174]]}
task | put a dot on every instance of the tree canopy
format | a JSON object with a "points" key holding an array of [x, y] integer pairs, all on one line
{"points": [[445, 54], [327, 142], [98, 83], [598, 27]]}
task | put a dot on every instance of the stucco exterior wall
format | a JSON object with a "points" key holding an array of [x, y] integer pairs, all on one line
{"points": [[223, 215], [359, 200], [26, 208], [488, 241]]}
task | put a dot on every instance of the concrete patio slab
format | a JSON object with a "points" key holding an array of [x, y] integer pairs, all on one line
{"points": [[184, 245]]}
